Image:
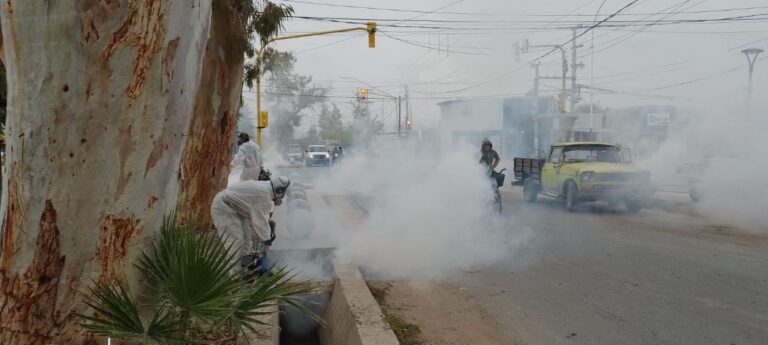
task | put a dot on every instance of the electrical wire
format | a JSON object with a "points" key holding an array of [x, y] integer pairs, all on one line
{"points": [[570, 14], [504, 75], [426, 46], [624, 38]]}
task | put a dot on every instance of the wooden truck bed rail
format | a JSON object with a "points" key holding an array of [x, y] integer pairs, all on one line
{"points": [[528, 168]]}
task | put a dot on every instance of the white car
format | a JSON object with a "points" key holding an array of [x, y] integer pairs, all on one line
{"points": [[318, 155]]}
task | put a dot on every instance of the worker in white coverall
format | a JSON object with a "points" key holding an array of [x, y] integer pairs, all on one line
{"points": [[249, 156], [241, 215]]}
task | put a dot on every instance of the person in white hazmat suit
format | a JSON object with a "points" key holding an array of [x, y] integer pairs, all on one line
{"points": [[241, 214], [249, 157]]}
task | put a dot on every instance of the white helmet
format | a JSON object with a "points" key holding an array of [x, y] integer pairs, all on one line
{"points": [[279, 185]]}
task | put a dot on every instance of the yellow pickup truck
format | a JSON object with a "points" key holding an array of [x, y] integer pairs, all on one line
{"points": [[585, 171]]}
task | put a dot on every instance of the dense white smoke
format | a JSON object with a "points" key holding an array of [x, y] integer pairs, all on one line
{"points": [[428, 219], [722, 156]]}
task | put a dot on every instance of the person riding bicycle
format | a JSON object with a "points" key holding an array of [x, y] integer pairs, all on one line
{"points": [[490, 158]]}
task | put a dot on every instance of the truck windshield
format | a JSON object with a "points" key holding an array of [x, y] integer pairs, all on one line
{"points": [[577, 154], [317, 149]]}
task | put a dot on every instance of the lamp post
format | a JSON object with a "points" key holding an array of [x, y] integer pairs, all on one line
{"points": [[751, 54], [261, 118]]}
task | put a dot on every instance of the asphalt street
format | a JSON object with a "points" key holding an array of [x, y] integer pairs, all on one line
{"points": [[604, 276]]}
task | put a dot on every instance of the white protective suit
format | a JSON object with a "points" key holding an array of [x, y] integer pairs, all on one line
{"points": [[241, 214], [249, 156]]}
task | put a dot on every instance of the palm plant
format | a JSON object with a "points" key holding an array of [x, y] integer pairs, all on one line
{"points": [[195, 289]]}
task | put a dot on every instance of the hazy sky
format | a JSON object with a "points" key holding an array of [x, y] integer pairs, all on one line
{"points": [[467, 49]]}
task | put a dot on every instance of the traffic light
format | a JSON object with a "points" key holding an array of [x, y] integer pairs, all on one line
{"points": [[263, 120], [371, 35], [363, 93]]}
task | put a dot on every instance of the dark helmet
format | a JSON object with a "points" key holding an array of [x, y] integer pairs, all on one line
{"points": [[243, 138]]}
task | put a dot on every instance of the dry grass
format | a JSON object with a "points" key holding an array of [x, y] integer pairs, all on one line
{"points": [[407, 333]]}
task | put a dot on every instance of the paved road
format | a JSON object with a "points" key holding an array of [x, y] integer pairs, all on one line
{"points": [[602, 276]]}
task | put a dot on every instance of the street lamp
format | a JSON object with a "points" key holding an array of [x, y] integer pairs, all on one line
{"points": [[751, 54]]}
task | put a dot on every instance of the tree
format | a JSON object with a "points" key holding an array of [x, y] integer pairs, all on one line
{"points": [[329, 121], [288, 95], [3, 93], [205, 163], [98, 112], [99, 125], [364, 126]]}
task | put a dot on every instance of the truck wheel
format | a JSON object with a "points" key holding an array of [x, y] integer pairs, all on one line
{"points": [[530, 191], [634, 205], [571, 196]]}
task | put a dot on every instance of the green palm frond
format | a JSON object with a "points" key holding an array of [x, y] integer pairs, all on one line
{"points": [[115, 311], [269, 290], [194, 271], [197, 289]]}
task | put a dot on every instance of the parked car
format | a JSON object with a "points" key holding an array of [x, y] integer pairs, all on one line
{"points": [[295, 154], [585, 171], [317, 155]]}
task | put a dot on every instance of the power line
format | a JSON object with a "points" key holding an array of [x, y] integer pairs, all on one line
{"points": [[754, 18], [571, 14], [630, 4], [330, 44], [431, 12], [614, 42], [426, 46], [621, 23], [687, 82]]}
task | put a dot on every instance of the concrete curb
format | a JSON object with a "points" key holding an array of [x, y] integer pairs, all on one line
{"points": [[353, 317], [270, 335]]}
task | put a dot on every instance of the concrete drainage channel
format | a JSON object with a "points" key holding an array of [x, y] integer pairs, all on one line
{"points": [[343, 300]]}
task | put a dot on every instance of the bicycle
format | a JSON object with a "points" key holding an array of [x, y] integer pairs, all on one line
{"points": [[498, 178]]}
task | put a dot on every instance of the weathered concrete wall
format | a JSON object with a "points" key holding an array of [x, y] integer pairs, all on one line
{"points": [[270, 334], [353, 317]]}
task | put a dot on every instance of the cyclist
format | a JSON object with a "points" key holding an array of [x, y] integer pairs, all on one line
{"points": [[490, 158]]}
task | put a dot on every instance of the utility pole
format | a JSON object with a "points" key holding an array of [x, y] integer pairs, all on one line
{"points": [[407, 111], [399, 116], [751, 55], [535, 90], [574, 67]]}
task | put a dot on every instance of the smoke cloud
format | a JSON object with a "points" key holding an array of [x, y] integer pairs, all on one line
{"points": [[720, 154], [427, 219]]}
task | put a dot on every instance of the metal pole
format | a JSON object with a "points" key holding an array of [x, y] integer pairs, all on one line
{"points": [[751, 55], [370, 28], [749, 92], [592, 73], [563, 92], [399, 109], [574, 47], [535, 92]]}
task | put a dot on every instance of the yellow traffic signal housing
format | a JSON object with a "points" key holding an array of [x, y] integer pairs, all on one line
{"points": [[363, 93], [263, 120], [371, 35]]}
